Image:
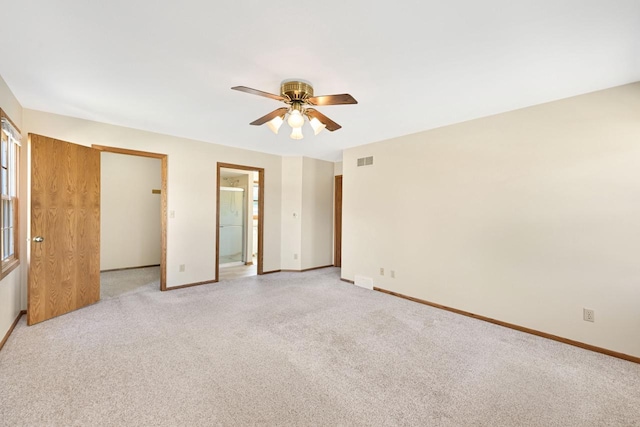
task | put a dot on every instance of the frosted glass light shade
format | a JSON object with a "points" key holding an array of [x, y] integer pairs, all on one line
{"points": [[275, 124], [296, 133], [295, 119], [317, 126]]}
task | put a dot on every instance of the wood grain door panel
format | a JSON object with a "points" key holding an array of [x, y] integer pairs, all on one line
{"points": [[64, 269]]}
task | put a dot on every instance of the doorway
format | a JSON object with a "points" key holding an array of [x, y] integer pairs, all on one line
{"points": [[337, 222], [130, 224], [239, 220], [156, 206]]}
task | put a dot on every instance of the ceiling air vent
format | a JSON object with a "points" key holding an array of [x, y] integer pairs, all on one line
{"points": [[365, 161]]}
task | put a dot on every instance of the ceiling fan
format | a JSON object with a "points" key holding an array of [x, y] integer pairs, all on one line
{"points": [[298, 94]]}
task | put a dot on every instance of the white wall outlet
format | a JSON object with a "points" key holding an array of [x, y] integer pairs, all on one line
{"points": [[393, 274], [172, 214], [381, 271], [182, 268], [295, 256], [588, 315]]}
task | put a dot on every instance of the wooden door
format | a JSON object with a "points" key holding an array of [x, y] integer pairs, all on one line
{"points": [[64, 269], [337, 221]]}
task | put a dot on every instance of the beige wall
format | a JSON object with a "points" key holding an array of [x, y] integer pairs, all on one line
{"points": [[130, 214], [525, 217], [10, 104], [291, 213], [337, 168], [191, 188], [11, 286], [317, 213], [307, 209]]}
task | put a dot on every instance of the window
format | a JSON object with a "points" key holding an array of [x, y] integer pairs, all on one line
{"points": [[9, 154], [256, 191]]}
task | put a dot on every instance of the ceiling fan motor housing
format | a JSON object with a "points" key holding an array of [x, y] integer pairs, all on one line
{"points": [[296, 90]]}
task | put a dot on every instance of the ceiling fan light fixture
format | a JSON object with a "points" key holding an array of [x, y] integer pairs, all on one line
{"points": [[275, 124], [296, 133], [295, 119], [300, 99], [317, 125]]}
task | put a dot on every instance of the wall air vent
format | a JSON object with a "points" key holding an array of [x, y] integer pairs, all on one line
{"points": [[365, 161], [363, 282]]}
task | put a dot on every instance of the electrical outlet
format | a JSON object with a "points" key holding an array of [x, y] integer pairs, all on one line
{"points": [[182, 268], [588, 315], [393, 274], [172, 214], [295, 256], [381, 271]]}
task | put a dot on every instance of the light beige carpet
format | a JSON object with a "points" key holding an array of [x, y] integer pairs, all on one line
{"points": [[298, 349]]}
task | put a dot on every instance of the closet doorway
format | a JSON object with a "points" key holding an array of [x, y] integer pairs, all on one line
{"points": [[133, 219], [239, 220]]}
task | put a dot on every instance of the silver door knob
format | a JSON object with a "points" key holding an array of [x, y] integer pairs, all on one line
{"points": [[38, 239]]}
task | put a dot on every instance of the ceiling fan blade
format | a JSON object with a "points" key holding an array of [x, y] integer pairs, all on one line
{"points": [[342, 99], [259, 93], [272, 115], [330, 124]]}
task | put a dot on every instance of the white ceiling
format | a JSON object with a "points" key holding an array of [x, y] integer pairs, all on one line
{"points": [[413, 65]]}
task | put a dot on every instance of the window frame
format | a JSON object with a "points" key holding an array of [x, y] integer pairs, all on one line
{"points": [[11, 263], [255, 196]]}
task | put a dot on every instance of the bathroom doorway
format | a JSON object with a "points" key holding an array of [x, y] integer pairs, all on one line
{"points": [[240, 201]]}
